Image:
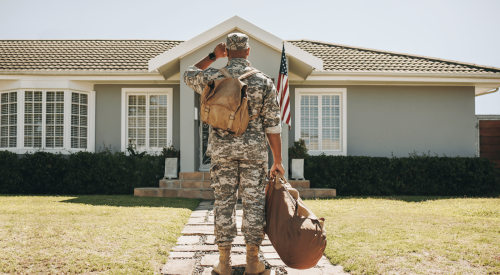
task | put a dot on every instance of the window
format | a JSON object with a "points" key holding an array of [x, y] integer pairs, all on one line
{"points": [[147, 118], [8, 130], [44, 119], [79, 120], [321, 119], [48, 120], [54, 118]]}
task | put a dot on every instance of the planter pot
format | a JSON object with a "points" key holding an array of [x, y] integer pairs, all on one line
{"points": [[171, 168], [297, 169]]}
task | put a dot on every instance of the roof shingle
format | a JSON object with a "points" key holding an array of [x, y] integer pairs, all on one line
{"points": [[342, 58], [133, 56], [78, 55]]}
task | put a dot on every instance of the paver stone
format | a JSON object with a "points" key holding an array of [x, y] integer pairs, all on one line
{"points": [[236, 260], [267, 249], [178, 267], [188, 240], [310, 271], [186, 248], [271, 255], [181, 254], [276, 263]]}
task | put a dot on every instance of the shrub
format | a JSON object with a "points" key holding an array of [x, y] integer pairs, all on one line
{"points": [[104, 172], [108, 172], [412, 175], [298, 150], [43, 173], [171, 152], [10, 174]]}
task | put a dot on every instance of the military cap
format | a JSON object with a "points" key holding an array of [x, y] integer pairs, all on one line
{"points": [[237, 41]]}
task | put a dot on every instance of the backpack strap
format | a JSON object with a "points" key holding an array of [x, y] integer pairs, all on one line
{"points": [[249, 73], [254, 116], [231, 120], [225, 72]]}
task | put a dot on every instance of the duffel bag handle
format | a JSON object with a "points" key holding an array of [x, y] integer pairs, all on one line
{"points": [[278, 184]]}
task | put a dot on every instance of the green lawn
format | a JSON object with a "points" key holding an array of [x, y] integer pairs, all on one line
{"points": [[89, 234], [412, 235]]}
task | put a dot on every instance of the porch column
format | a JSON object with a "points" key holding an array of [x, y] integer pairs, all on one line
{"points": [[284, 148], [187, 128]]}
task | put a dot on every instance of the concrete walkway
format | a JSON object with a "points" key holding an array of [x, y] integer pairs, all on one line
{"points": [[196, 252]]}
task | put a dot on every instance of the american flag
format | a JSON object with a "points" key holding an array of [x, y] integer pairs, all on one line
{"points": [[283, 93]]}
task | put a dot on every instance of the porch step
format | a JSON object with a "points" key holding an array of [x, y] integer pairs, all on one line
{"points": [[205, 183], [208, 193]]}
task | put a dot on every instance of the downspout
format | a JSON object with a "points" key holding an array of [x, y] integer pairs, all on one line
{"points": [[490, 92]]}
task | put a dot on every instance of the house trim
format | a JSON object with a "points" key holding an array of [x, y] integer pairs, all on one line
{"points": [[343, 121], [125, 91], [239, 24]]}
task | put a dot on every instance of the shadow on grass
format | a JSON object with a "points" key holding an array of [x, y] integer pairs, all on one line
{"points": [[131, 201], [408, 198]]}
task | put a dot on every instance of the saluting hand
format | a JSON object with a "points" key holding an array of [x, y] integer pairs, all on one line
{"points": [[220, 50]]}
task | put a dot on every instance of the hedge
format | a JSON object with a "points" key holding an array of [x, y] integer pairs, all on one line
{"points": [[104, 172], [412, 175], [108, 172]]}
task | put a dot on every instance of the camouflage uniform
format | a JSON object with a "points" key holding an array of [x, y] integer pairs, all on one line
{"points": [[240, 160]]}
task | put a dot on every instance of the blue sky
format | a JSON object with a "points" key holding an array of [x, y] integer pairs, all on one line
{"points": [[458, 30]]}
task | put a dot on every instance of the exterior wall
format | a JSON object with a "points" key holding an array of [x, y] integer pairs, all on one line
{"points": [[385, 119], [260, 56], [108, 114]]}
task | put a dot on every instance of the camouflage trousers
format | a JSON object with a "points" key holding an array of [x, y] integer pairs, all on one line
{"points": [[227, 176]]}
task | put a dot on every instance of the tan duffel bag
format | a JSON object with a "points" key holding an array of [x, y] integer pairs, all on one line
{"points": [[224, 103], [296, 233]]}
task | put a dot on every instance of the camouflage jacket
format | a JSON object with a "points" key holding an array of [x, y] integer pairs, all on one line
{"points": [[252, 144]]}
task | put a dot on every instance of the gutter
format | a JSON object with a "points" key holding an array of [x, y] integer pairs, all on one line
{"points": [[406, 74], [489, 92]]}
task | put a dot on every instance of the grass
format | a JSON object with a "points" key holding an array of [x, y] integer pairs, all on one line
{"points": [[89, 234], [412, 235]]}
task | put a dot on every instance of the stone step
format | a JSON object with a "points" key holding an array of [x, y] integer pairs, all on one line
{"points": [[208, 193], [176, 183], [194, 176]]}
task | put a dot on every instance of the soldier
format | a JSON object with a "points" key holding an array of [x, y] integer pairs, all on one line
{"points": [[241, 161]]}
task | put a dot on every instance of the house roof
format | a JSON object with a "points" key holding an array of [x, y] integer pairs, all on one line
{"points": [[80, 55], [344, 58], [133, 56]]}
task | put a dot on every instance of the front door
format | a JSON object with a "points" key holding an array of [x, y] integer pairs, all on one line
{"points": [[204, 159]]}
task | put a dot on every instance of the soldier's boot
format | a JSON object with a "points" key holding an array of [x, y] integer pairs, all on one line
{"points": [[254, 265], [223, 266]]}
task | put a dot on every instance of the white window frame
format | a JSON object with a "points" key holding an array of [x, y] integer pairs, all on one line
{"points": [[342, 92], [18, 137], [124, 115], [21, 149]]}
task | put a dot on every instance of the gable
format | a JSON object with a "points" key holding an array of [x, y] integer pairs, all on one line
{"points": [[301, 63], [262, 57]]}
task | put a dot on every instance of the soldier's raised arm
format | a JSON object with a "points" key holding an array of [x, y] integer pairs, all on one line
{"points": [[198, 75]]}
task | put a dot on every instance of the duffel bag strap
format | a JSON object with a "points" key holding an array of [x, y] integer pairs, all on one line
{"points": [[277, 179], [225, 72]]}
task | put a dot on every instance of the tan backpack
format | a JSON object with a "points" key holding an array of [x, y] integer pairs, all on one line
{"points": [[224, 103]]}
